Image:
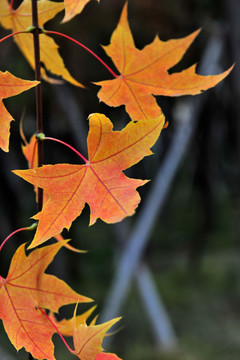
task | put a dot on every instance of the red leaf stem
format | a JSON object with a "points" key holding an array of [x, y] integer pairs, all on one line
{"points": [[69, 146], [11, 5], [16, 231], [12, 34], [84, 47], [56, 328]]}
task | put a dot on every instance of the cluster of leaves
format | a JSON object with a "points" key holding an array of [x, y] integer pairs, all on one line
{"points": [[28, 291]]}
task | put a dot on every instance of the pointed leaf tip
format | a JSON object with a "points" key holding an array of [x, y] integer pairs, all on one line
{"points": [[73, 8], [10, 85]]}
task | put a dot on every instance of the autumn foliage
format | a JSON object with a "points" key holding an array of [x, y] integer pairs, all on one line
{"points": [[29, 297], [100, 182]]}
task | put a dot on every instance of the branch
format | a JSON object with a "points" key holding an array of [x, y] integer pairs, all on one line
{"points": [[39, 114]]}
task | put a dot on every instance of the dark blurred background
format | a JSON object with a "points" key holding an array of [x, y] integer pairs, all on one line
{"points": [[192, 247]]}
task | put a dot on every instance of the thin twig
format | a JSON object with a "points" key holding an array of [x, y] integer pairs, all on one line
{"points": [[39, 113], [39, 117]]}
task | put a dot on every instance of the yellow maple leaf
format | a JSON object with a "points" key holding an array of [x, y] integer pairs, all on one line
{"points": [[20, 19]]}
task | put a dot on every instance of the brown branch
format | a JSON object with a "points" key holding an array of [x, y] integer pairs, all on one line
{"points": [[39, 115]]}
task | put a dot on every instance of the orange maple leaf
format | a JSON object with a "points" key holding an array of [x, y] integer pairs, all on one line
{"points": [[101, 183], [145, 72], [9, 86], [88, 339], [73, 8], [25, 289], [20, 19]]}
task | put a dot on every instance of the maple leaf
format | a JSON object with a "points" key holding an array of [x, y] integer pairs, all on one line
{"points": [[145, 72], [25, 289], [88, 339], [10, 85], [20, 19], [73, 7], [101, 183]]}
